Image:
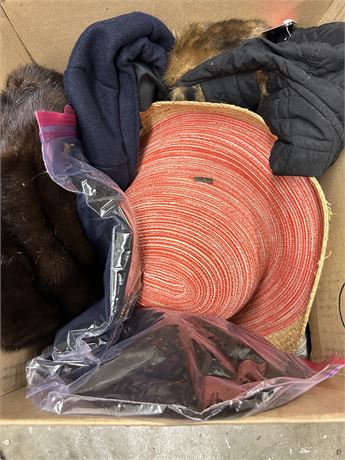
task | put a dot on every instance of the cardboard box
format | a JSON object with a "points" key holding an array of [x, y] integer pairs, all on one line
{"points": [[45, 31]]}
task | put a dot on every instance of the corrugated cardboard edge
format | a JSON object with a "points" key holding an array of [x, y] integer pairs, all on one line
{"points": [[12, 368]]}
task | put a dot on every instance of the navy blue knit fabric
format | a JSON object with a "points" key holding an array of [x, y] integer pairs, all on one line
{"points": [[101, 84]]}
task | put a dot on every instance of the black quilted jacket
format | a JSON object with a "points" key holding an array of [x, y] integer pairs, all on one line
{"points": [[305, 103]]}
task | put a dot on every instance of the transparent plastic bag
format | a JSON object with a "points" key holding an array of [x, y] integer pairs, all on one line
{"points": [[109, 224], [113, 361]]}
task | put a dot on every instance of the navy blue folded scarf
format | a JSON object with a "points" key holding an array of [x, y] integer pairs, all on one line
{"points": [[101, 84]]}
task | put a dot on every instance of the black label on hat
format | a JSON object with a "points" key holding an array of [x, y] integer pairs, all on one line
{"points": [[207, 180]]}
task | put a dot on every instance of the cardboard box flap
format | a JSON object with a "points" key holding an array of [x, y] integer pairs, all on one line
{"points": [[336, 12], [58, 25], [47, 31], [327, 320], [12, 50]]}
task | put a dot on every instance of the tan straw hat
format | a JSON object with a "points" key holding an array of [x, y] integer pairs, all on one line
{"points": [[220, 235]]}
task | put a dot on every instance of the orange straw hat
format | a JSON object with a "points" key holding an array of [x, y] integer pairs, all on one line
{"points": [[220, 235]]}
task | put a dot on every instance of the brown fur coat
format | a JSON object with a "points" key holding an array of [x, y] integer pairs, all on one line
{"points": [[49, 273]]}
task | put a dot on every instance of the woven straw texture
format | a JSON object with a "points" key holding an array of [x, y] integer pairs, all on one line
{"points": [[219, 234]]}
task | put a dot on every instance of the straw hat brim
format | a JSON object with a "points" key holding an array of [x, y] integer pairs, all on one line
{"points": [[288, 333]]}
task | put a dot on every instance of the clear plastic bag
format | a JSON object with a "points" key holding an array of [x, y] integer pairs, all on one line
{"points": [[113, 361], [109, 224]]}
